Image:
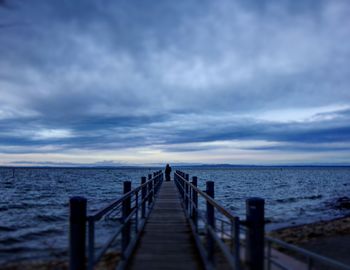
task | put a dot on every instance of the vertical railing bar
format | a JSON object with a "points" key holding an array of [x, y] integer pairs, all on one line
{"points": [[222, 229], [191, 202], [237, 251], [186, 191], [137, 212], [150, 190], [91, 244], [126, 212], [309, 263], [153, 185], [143, 195], [233, 235], [268, 255], [186, 196], [210, 221], [195, 200]]}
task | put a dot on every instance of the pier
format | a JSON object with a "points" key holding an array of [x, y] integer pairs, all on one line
{"points": [[166, 242], [176, 225]]}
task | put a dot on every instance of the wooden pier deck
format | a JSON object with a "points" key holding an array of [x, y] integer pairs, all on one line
{"points": [[167, 241]]}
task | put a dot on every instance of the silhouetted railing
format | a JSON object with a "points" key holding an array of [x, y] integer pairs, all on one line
{"points": [[217, 226], [204, 224], [131, 209], [310, 257]]}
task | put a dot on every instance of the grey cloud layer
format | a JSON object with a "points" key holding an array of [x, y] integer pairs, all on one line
{"points": [[121, 73]]}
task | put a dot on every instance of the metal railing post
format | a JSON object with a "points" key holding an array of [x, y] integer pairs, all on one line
{"points": [[150, 190], [186, 176], [210, 221], [154, 185], [126, 208], [181, 186], [77, 233], [137, 206], [176, 179], [161, 179], [195, 203], [255, 233], [143, 196], [186, 194]]}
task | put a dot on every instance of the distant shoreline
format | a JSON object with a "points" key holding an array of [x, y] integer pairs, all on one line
{"points": [[213, 166]]}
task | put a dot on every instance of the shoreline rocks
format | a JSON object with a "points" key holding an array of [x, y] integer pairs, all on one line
{"points": [[304, 233]]}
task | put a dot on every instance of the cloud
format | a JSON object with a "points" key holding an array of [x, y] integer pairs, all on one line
{"points": [[182, 77]]}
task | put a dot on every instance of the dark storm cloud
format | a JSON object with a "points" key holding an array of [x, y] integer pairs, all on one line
{"points": [[125, 132], [249, 129], [119, 74]]}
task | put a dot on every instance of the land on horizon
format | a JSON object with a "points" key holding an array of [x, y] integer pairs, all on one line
{"points": [[175, 165]]}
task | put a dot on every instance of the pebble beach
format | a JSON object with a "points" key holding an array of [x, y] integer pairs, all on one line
{"points": [[329, 238]]}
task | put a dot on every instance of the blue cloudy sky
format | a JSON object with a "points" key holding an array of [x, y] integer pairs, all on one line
{"points": [[143, 82]]}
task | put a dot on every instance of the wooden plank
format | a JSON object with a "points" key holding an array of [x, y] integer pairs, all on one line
{"points": [[167, 242]]}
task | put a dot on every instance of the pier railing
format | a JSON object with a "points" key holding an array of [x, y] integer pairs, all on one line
{"points": [[310, 257], [214, 225], [211, 227], [131, 210]]}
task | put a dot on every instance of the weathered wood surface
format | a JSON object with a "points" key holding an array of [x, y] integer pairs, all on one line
{"points": [[167, 241]]}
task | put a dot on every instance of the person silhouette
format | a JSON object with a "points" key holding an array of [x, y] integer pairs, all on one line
{"points": [[167, 172]]}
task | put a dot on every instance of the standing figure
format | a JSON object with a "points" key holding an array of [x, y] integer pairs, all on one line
{"points": [[167, 172]]}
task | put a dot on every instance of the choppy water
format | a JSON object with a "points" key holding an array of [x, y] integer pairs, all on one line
{"points": [[34, 202]]}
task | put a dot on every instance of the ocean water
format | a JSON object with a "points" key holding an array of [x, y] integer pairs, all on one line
{"points": [[34, 201]]}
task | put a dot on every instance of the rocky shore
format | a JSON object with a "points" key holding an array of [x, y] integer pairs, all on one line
{"points": [[328, 238], [108, 262], [304, 233]]}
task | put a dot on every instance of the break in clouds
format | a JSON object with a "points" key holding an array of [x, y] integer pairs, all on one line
{"points": [[263, 82]]}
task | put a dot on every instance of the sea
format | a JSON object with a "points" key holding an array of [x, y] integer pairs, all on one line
{"points": [[34, 202]]}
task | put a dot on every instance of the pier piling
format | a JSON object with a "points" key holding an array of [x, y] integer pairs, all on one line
{"points": [[77, 233], [255, 217]]}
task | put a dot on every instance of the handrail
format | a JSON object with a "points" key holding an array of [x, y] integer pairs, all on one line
{"points": [[189, 193], [135, 206], [304, 252], [152, 186], [191, 207], [210, 200], [100, 213]]}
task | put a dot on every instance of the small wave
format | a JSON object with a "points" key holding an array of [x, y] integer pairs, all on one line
{"points": [[14, 250], [341, 203], [20, 206], [3, 208], [287, 200], [6, 229], [7, 241], [295, 199], [49, 218], [39, 234], [282, 185]]}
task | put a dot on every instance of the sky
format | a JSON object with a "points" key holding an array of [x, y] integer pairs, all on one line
{"points": [[150, 82]]}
